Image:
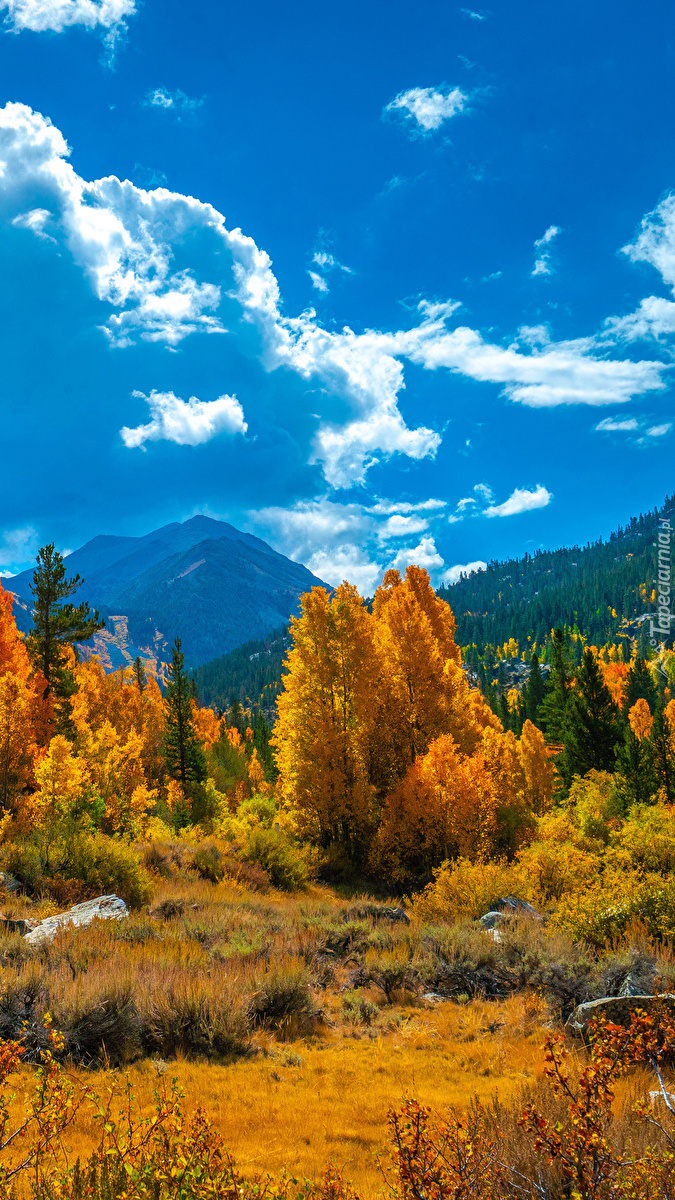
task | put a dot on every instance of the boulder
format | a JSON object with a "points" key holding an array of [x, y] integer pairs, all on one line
{"points": [[618, 1009], [491, 919], [395, 914], [102, 908], [20, 925], [516, 907]]}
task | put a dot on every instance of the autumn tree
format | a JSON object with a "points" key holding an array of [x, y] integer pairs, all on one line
{"points": [[422, 690], [183, 753], [662, 745], [20, 709], [326, 713], [444, 807], [57, 626], [636, 777]]}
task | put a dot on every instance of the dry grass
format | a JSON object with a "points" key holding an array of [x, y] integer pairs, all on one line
{"points": [[304, 1102]]}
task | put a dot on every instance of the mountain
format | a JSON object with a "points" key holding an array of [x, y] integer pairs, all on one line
{"points": [[202, 580], [604, 588]]}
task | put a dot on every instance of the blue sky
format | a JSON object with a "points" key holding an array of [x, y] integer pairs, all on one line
{"points": [[380, 282]]}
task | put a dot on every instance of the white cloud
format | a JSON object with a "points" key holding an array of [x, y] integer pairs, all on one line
{"points": [[542, 264], [424, 555], [188, 423], [346, 562], [17, 546], [472, 15], [612, 425], [402, 526], [659, 430], [126, 239], [483, 491], [34, 221], [429, 107], [558, 373], [348, 541], [521, 500], [454, 574], [41, 16], [175, 101], [318, 281]]}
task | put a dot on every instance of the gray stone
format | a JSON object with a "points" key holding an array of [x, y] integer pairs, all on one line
{"points": [[102, 908], [490, 919], [516, 906], [618, 1009], [395, 914], [631, 987]]}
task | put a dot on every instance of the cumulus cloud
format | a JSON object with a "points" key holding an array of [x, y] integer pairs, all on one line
{"points": [[163, 265], [352, 541], [521, 500], [542, 265], [424, 555], [174, 101], [461, 570], [186, 422], [429, 107], [635, 425], [41, 16]]}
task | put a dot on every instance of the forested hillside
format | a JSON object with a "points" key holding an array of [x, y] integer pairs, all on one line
{"points": [[594, 587]]}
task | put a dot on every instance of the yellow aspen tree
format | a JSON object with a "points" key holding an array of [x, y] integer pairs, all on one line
{"points": [[503, 763], [207, 726], [445, 806], [641, 720], [18, 747], [538, 769], [325, 713], [61, 780], [423, 691]]}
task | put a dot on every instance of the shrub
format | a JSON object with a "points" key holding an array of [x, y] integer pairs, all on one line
{"points": [[195, 1019], [281, 992], [104, 865], [207, 861], [102, 1027], [464, 888], [284, 863], [158, 860]]}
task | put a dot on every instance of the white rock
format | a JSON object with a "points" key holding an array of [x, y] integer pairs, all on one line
{"points": [[103, 907]]}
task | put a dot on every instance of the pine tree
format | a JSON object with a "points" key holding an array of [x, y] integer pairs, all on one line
{"points": [[662, 742], [591, 729], [139, 674], [635, 770], [639, 685], [57, 626], [534, 691], [553, 710], [183, 754]]}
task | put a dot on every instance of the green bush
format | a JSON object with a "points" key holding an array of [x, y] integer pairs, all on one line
{"points": [[94, 865], [275, 853], [208, 862], [104, 865]]}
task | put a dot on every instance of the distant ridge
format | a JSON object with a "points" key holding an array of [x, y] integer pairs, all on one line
{"points": [[203, 580]]}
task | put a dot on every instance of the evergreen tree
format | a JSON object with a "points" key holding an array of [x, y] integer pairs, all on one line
{"points": [[639, 685], [553, 710], [183, 753], [139, 674], [635, 770], [662, 742], [591, 729], [534, 691], [56, 625]]}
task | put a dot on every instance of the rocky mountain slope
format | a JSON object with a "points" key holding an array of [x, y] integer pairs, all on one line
{"points": [[204, 580]]}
